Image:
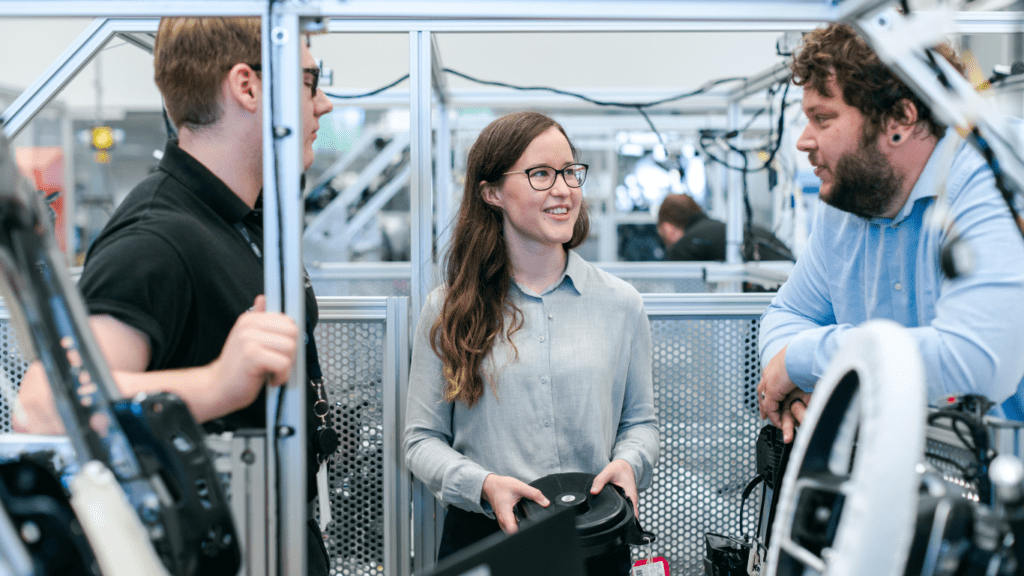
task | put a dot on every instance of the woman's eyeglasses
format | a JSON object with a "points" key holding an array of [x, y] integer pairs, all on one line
{"points": [[543, 177]]}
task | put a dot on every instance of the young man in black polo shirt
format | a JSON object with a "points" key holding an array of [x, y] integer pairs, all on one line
{"points": [[174, 281]]}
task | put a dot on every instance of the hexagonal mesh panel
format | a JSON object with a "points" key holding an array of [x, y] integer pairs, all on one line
{"points": [[352, 358], [705, 375], [14, 367]]}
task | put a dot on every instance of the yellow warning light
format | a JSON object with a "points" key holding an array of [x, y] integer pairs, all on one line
{"points": [[102, 137]]}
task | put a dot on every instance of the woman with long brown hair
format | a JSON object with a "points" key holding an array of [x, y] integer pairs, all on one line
{"points": [[528, 361]]}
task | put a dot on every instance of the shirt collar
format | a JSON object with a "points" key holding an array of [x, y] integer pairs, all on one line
{"points": [[574, 276], [927, 183], [576, 271], [211, 190]]}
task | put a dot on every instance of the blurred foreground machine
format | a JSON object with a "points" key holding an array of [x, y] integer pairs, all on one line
{"points": [[137, 492], [878, 484]]}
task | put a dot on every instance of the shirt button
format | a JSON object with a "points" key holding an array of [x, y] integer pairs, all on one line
{"points": [[541, 338], [550, 316], [547, 423], [544, 380], [552, 464], [898, 286]]}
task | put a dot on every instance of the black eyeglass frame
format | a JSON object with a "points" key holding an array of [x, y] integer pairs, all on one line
{"points": [[563, 172], [315, 72]]}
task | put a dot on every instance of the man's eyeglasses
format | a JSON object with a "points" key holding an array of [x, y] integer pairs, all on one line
{"points": [[314, 72], [543, 177]]}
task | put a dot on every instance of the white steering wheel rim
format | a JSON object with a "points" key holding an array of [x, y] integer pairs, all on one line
{"points": [[877, 374]]}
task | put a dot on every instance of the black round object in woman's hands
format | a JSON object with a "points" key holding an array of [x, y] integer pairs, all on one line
{"points": [[604, 521]]}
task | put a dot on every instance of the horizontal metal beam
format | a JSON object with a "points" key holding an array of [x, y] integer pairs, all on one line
{"points": [[352, 308], [499, 15], [469, 15], [360, 271], [746, 305]]}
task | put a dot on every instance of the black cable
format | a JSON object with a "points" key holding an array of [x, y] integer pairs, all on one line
{"points": [[963, 470], [171, 131], [370, 93], [772, 150], [955, 419], [746, 494], [640, 109], [636, 105], [1000, 181]]}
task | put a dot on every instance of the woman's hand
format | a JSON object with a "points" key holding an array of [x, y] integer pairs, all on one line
{"points": [[620, 473], [502, 492]]}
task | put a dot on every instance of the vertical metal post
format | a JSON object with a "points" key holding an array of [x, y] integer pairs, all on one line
{"points": [[420, 149], [284, 286], [734, 222], [397, 489], [443, 180], [421, 198]]}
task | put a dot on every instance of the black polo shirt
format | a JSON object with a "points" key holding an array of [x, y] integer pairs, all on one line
{"points": [[173, 263]]}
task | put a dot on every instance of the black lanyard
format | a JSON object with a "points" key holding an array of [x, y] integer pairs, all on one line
{"points": [[313, 371]]}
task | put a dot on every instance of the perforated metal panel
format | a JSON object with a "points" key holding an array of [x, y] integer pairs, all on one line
{"points": [[13, 365], [705, 375], [352, 358]]}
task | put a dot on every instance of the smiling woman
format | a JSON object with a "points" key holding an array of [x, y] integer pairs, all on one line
{"points": [[564, 348]]}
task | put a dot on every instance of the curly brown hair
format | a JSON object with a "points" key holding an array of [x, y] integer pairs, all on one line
{"points": [[478, 271], [866, 83]]}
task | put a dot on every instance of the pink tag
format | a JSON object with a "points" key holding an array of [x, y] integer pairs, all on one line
{"points": [[657, 566]]}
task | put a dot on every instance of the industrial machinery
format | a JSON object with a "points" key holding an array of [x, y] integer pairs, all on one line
{"points": [[140, 495]]}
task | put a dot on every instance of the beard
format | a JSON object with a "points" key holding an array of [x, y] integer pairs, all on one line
{"points": [[865, 183]]}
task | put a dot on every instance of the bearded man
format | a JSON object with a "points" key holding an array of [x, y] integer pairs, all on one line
{"points": [[883, 159]]}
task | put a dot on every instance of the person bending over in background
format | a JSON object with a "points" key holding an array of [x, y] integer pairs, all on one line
{"points": [[882, 158], [528, 361], [689, 234], [173, 283]]}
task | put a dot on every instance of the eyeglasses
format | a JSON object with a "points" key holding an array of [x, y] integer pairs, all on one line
{"points": [[315, 72], [543, 177]]}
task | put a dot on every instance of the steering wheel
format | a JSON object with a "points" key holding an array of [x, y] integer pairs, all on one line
{"points": [[848, 501]]}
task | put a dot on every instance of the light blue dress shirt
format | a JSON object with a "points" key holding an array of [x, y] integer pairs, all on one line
{"points": [[970, 330], [578, 395]]}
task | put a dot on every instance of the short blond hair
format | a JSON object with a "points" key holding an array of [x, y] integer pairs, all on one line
{"points": [[191, 58]]}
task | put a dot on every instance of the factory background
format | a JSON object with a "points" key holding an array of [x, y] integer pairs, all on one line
{"points": [[105, 130]]}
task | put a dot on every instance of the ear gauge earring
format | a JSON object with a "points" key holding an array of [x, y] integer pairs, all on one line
{"points": [[895, 137]]}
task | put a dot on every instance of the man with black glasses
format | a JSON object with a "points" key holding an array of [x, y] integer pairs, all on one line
{"points": [[174, 282]]}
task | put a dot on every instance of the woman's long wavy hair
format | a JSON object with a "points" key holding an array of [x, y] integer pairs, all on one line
{"points": [[478, 268]]}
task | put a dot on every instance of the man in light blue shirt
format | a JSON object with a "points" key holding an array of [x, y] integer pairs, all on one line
{"points": [[875, 244]]}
